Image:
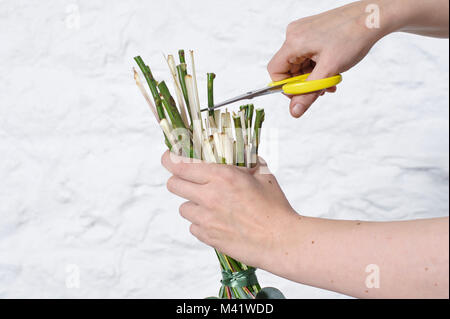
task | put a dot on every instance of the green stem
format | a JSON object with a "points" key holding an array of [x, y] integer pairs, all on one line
{"points": [[233, 264], [259, 119], [211, 77], [240, 147], [150, 79], [236, 293], [249, 115], [171, 106], [245, 109], [220, 261], [223, 262], [181, 71], [182, 135], [154, 91], [182, 56], [151, 84]]}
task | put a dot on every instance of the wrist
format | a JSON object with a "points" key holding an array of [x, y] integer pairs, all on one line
{"points": [[398, 15], [297, 252], [281, 258], [382, 17]]}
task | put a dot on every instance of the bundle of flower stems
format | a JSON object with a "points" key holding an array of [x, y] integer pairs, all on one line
{"points": [[216, 137]]}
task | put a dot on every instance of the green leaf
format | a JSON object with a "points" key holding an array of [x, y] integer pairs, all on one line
{"points": [[270, 293]]}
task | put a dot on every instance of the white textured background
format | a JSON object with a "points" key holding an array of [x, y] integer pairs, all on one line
{"points": [[80, 176]]}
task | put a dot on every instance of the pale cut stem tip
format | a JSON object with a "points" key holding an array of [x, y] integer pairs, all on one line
{"points": [[196, 118], [194, 84], [167, 129], [138, 80], [180, 99]]}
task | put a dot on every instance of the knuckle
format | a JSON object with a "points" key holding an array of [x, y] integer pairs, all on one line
{"points": [[270, 67], [197, 232], [164, 159], [192, 230], [295, 34], [183, 209], [211, 201], [171, 182], [212, 234], [176, 168], [228, 174], [290, 28], [206, 220]]}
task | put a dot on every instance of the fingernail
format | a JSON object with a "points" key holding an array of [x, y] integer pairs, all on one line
{"points": [[297, 109]]}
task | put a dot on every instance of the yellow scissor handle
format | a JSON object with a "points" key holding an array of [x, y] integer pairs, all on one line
{"points": [[299, 85]]}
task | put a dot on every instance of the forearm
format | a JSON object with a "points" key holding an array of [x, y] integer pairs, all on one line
{"points": [[412, 256], [424, 17]]}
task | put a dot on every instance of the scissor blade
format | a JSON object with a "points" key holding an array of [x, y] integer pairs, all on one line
{"points": [[247, 96]]}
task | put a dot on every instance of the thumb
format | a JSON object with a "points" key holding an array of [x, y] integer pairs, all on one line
{"points": [[300, 103]]}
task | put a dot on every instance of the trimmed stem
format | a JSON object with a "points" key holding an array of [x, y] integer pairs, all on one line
{"points": [[207, 150], [195, 113], [171, 141], [211, 77], [182, 133], [259, 119], [149, 77], [249, 114], [170, 106], [151, 84], [181, 56], [228, 148], [154, 91], [181, 71], [240, 149], [179, 93], [137, 78], [244, 109], [243, 126], [195, 88]]}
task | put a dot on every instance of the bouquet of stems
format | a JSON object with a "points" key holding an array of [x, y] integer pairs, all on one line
{"points": [[218, 137]]}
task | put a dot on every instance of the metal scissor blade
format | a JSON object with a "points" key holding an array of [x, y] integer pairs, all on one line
{"points": [[247, 96]]}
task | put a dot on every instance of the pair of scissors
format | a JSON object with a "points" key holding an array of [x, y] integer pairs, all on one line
{"points": [[296, 85]]}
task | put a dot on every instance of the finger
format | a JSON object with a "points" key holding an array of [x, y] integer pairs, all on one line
{"points": [[329, 90], [191, 211], [262, 168], [198, 232], [295, 69], [195, 172], [261, 161], [280, 65], [185, 189], [300, 103], [332, 89], [307, 66]]}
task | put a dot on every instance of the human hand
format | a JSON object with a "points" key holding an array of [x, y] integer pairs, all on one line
{"points": [[324, 45], [241, 212]]}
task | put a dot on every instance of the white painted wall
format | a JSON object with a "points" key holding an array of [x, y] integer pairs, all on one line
{"points": [[81, 185]]}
